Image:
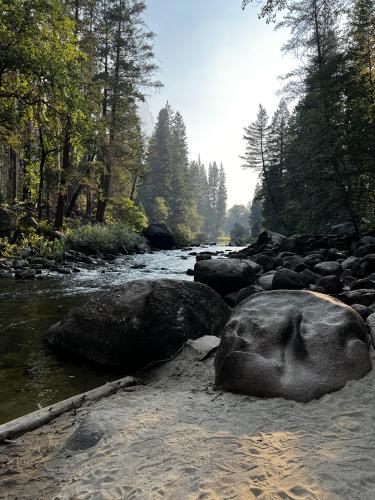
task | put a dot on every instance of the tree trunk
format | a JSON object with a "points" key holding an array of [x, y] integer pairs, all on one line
{"points": [[60, 208], [12, 176]]}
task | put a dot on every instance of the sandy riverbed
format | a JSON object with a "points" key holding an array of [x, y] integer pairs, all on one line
{"points": [[177, 438]]}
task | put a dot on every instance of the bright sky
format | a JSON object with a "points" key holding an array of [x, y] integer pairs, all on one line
{"points": [[217, 64]]}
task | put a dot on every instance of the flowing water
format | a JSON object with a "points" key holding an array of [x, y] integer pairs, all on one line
{"points": [[31, 376]]}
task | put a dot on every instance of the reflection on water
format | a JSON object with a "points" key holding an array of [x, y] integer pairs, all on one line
{"points": [[30, 376]]}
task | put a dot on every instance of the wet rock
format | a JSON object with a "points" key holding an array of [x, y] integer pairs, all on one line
{"points": [[25, 274], [160, 236], [141, 322], [203, 256], [226, 275], [190, 272], [138, 266], [296, 345], [286, 279]]}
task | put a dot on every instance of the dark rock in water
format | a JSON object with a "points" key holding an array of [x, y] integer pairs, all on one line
{"points": [[226, 275], [297, 345], [160, 236], [328, 268], [138, 266], [190, 272], [331, 284], [25, 274], [285, 279], [203, 256], [271, 237], [142, 322], [363, 296], [8, 222], [363, 311]]}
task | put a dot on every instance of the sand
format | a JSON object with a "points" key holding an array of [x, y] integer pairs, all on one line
{"points": [[176, 437]]}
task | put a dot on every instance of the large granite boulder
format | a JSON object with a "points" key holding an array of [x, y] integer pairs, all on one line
{"points": [[142, 322], [297, 345], [226, 275], [8, 222], [160, 237]]}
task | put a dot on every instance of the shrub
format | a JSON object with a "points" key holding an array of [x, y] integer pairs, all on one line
{"points": [[130, 214], [183, 235], [111, 238]]}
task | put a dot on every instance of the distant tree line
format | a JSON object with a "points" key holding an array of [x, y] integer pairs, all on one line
{"points": [[317, 163], [184, 195]]}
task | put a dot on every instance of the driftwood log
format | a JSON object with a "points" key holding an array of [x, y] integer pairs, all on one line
{"points": [[45, 415]]}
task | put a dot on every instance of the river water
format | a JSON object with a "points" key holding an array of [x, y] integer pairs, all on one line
{"points": [[30, 375]]}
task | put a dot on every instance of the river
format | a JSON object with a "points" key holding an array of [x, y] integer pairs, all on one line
{"points": [[30, 375]]}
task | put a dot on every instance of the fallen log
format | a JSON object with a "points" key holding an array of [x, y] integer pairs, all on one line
{"points": [[45, 415]]}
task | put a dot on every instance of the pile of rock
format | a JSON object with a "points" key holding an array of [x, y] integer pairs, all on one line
{"points": [[342, 265]]}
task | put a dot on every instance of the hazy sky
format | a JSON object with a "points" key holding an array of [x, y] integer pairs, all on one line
{"points": [[217, 64]]}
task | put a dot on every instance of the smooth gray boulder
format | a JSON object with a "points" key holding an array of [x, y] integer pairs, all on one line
{"points": [[226, 275], [296, 345], [142, 322]]}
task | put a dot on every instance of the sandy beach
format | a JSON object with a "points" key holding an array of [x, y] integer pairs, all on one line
{"points": [[176, 437]]}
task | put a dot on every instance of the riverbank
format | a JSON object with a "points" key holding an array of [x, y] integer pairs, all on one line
{"points": [[177, 437], [30, 375]]}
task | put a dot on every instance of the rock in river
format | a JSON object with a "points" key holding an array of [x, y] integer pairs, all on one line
{"points": [[160, 236], [226, 275], [293, 344], [142, 322]]}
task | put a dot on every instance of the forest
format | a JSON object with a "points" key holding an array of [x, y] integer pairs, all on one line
{"points": [[72, 146], [73, 149], [316, 154]]}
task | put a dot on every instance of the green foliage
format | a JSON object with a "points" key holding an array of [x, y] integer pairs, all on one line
{"points": [[239, 235], [184, 236], [127, 212], [112, 238]]}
